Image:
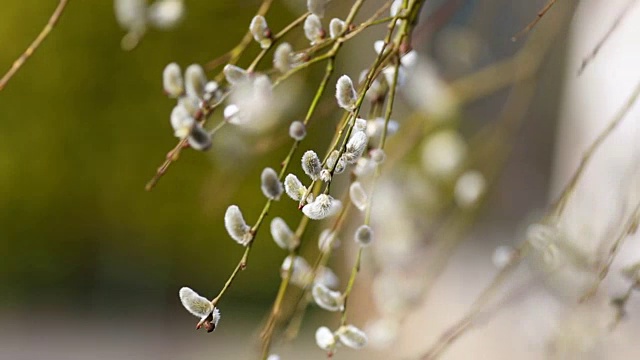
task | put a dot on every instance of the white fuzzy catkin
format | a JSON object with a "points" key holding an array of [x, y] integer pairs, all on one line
{"points": [[327, 240], [231, 114], [378, 156], [282, 57], [130, 14], [235, 74], [166, 14], [236, 226], [358, 196], [336, 28], [282, 234], [317, 7], [199, 138], [468, 189], [341, 165], [360, 125], [297, 130], [325, 339], [325, 175], [260, 31], [364, 235], [311, 165], [197, 305], [327, 277], [212, 91], [270, 184], [346, 93], [352, 337], [273, 357], [322, 207], [301, 274], [395, 7], [294, 188], [326, 298], [181, 121], [195, 81], [172, 80], [355, 147], [313, 29]]}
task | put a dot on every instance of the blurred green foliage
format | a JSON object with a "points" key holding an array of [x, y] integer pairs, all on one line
{"points": [[83, 126]]}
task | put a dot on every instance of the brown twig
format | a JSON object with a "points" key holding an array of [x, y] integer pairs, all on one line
{"points": [[34, 45], [535, 21]]}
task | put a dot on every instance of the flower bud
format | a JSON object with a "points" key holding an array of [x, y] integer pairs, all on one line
{"points": [[468, 189], [260, 31], [326, 298], [165, 14], [341, 165], [201, 307], [317, 7], [327, 240], [212, 91], [195, 81], [360, 125], [270, 184], [332, 159], [396, 6], [235, 74], [325, 339], [352, 337], [355, 147], [294, 188], [191, 104], [181, 122], [313, 29], [282, 57], [194, 303], [377, 155], [376, 90], [346, 93], [326, 277], [358, 196], [364, 235], [336, 28], [301, 274], [199, 139], [311, 164], [172, 80], [297, 130], [323, 206], [282, 234], [236, 226], [325, 175], [231, 114]]}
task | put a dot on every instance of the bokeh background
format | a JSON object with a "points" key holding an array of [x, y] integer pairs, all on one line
{"points": [[90, 263]]}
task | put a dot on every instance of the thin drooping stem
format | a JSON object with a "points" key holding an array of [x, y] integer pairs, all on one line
{"points": [[587, 60], [53, 20], [535, 21], [588, 154], [629, 228]]}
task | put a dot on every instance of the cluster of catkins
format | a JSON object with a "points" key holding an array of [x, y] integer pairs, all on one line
{"points": [[248, 95]]}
